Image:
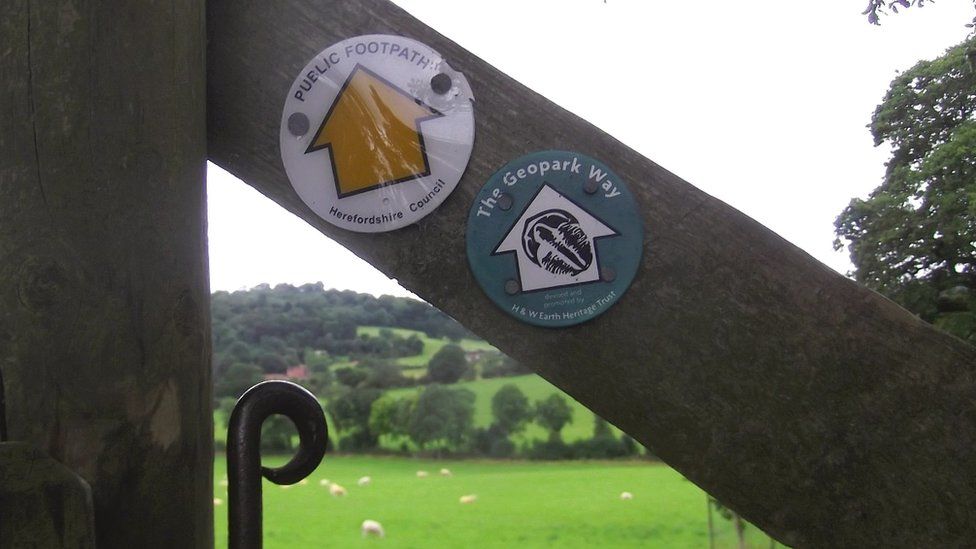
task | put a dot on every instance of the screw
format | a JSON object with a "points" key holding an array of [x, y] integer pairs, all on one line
{"points": [[505, 201], [441, 83], [298, 124], [512, 287], [590, 186], [608, 274]]}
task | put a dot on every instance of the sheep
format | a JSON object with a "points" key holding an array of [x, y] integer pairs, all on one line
{"points": [[364, 481], [421, 474], [372, 528], [337, 490], [324, 482], [470, 498], [446, 473], [626, 495], [218, 501]]}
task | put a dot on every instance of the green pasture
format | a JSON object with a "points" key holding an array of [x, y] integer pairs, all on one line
{"points": [[519, 504]]}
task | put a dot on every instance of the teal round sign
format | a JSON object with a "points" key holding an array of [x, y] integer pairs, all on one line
{"points": [[554, 238]]}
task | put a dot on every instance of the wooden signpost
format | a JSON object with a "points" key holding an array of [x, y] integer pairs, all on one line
{"points": [[817, 409], [104, 300]]}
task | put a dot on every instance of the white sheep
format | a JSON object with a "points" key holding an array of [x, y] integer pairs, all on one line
{"points": [[324, 482], [626, 495], [372, 528], [218, 501], [446, 473], [337, 490], [470, 498], [364, 481], [421, 474]]}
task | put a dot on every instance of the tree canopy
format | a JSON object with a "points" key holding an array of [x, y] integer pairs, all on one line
{"points": [[914, 238], [510, 408], [448, 365], [273, 327], [877, 8], [441, 414], [553, 413], [350, 413]]}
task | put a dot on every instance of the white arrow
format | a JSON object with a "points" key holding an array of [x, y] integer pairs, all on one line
{"points": [[554, 241]]}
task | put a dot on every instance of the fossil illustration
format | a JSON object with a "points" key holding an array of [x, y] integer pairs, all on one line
{"points": [[554, 240]]}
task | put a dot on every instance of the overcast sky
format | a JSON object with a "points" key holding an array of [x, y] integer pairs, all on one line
{"points": [[762, 104]]}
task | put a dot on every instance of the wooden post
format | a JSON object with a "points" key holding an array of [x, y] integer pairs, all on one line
{"points": [[104, 322], [817, 409]]}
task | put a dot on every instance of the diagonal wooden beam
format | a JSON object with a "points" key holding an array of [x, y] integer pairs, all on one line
{"points": [[819, 410]]}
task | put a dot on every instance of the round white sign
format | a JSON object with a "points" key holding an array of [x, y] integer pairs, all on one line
{"points": [[376, 132]]}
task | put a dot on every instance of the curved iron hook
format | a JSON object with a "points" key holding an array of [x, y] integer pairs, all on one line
{"points": [[244, 468]]}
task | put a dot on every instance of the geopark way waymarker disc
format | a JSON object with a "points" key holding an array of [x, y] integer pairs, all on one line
{"points": [[376, 132], [554, 238]]}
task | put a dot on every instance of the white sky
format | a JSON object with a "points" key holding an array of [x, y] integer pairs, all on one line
{"points": [[762, 104]]}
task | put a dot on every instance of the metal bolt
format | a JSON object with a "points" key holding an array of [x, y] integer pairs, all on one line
{"points": [[608, 274], [590, 186], [298, 124], [512, 287], [505, 201], [441, 83]]}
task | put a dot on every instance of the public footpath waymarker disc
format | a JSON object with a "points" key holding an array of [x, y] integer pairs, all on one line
{"points": [[376, 132], [554, 238]]}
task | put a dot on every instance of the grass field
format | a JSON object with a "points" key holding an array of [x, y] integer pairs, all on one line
{"points": [[431, 345], [519, 504]]}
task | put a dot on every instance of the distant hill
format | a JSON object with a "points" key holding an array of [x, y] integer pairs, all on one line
{"points": [[274, 328], [394, 375]]}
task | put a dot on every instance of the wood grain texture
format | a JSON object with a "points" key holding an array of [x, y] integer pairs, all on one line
{"points": [[104, 317], [42, 503], [819, 410]]}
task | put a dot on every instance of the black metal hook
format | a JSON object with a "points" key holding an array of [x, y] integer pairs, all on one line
{"points": [[244, 452]]}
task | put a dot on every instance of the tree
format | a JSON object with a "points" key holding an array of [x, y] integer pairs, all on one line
{"points": [[238, 378], [510, 408], [448, 365], [493, 442], [225, 406], [876, 8], [441, 415], [319, 380], [277, 433], [350, 412], [501, 366], [601, 428], [553, 413], [350, 377], [383, 374], [389, 415], [730, 515], [913, 238]]}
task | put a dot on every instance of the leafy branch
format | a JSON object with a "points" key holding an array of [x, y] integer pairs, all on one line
{"points": [[877, 8]]}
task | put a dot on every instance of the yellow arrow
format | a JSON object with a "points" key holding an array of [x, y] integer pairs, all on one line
{"points": [[373, 134]]}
